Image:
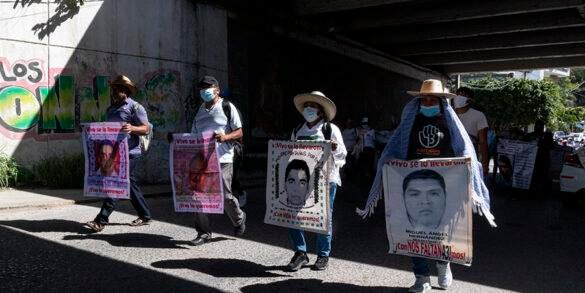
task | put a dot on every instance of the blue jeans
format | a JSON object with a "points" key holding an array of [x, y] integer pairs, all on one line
{"points": [[421, 266], [136, 197], [297, 237]]}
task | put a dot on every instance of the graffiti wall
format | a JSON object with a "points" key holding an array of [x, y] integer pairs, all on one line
{"points": [[55, 76]]}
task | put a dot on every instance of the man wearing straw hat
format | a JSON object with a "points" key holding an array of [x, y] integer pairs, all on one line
{"points": [[133, 115], [429, 128], [318, 111]]}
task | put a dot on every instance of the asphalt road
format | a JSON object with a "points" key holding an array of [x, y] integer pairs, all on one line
{"points": [[538, 247]]}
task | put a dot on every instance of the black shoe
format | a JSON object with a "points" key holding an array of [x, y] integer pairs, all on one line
{"points": [[321, 263], [298, 261], [239, 230], [201, 239]]}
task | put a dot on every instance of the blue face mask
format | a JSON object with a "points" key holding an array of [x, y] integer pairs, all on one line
{"points": [[207, 94], [310, 114], [430, 111]]}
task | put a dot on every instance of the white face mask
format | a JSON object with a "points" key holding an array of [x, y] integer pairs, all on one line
{"points": [[460, 101], [310, 114]]}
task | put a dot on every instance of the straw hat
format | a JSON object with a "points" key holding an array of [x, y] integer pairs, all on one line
{"points": [[316, 97], [126, 82], [432, 87]]}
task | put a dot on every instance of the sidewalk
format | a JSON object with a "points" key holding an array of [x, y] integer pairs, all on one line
{"points": [[44, 198]]}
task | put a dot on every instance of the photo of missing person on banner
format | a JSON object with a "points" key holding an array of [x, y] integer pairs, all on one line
{"points": [[424, 198], [200, 176], [201, 179], [107, 158], [298, 188]]}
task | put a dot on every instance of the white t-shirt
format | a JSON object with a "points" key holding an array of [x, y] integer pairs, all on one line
{"points": [[316, 133], [215, 120], [368, 136], [473, 121]]}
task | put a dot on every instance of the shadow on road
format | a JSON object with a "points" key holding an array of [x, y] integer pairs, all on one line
{"points": [[141, 240], [32, 264], [314, 285], [222, 268], [525, 243], [46, 226]]}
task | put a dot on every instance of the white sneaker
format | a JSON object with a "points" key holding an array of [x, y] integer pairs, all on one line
{"points": [[242, 199], [421, 285], [445, 276]]}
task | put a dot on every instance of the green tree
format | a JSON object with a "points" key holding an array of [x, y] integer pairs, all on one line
{"points": [[515, 102]]}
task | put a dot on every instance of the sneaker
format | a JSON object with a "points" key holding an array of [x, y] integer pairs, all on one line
{"points": [[444, 277], [242, 199], [298, 261], [321, 263], [201, 239], [95, 226], [140, 222], [239, 230], [421, 285]]}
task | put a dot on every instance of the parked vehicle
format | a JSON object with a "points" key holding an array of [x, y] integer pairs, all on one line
{"points": [[558, 135], [577, 136], [572, 178]]}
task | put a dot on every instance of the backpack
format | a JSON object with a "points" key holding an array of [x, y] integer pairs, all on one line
{"points": [[326, 130], [144, 140], [238, 144]]}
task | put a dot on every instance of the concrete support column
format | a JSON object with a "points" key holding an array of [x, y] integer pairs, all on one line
{"points": [[212, 41]]}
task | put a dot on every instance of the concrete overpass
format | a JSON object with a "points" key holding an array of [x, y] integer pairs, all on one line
{"points": [[452, 36]]}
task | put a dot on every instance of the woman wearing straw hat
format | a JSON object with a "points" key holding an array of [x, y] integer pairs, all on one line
{"points": [[318, 111], [429, 128]]}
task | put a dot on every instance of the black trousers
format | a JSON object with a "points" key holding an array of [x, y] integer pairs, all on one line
{"points": [[136, 197]]}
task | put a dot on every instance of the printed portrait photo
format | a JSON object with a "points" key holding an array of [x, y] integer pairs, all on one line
{"points": [[296, 190], [194, 173], [425, 198], [107, 158]]}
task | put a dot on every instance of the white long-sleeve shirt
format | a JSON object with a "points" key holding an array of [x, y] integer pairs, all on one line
{"points": [[316, 133]]}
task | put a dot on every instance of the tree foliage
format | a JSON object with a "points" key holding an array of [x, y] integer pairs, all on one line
{"points": [[515, 102]]}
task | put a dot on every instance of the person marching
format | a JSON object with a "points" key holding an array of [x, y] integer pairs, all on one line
{"points": [[318, 111], [222, 118], [133, 115], [429, 115]]}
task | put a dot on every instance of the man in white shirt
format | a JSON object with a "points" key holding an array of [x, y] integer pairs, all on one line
{"points": [[211, 117], [317, 110], [475, 124]]}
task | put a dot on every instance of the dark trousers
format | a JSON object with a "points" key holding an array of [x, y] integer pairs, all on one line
{"points": [[236, 186], [366, 166], [136, 197]]}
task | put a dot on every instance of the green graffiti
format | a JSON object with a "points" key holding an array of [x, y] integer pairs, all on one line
{"points": [[161, 95], [58, 105], [93, 108], [19, 108]]}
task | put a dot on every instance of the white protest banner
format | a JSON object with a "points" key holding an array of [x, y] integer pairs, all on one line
{"points": [[522, 156], [107, 166], [428, 208], [297, 188], [196, 174]]}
